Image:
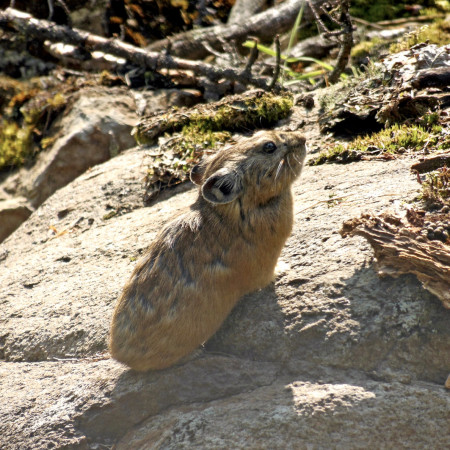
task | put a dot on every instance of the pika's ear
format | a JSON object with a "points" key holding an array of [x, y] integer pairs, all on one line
{"points": [[197, 173], [222, 187]]}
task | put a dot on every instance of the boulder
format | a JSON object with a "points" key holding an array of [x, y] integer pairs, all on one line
{"points": [[329, 355], [96, 127]]}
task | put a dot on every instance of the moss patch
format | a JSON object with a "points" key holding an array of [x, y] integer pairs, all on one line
{"points": [[26, 112], [366, 48], [436, 188], [437, 33], [15, 143], [235, 113], [203, 129], [397, 139], [392, 9]]}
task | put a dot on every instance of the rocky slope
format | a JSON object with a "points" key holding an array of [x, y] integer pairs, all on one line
{"points": [[327, 356]]}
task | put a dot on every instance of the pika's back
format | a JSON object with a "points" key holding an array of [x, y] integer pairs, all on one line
{"points": [[200, 264]]}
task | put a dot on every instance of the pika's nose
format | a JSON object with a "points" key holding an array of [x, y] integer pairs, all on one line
{"points": [[302, 140]]}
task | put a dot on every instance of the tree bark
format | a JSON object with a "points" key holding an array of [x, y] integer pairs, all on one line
{"points": [[399, 250]]}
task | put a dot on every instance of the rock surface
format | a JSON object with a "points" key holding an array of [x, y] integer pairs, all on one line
{"points": [[329, 356], [96, 127]]}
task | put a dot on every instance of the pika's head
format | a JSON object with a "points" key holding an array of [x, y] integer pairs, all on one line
{"points": [[255, 169]]}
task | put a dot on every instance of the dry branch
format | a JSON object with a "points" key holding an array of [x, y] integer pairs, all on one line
{"points": [[399, 250], [401, 21], [44, 30], [344, 35], [264, 26]]}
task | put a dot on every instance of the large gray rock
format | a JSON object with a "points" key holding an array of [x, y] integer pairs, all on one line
{"points": [[96, 127], [327, 356]]}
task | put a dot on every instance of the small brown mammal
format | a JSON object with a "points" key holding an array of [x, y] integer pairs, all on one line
{"points": [[200, 264]]}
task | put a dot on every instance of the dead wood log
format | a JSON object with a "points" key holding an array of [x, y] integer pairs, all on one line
{"points": [[242, 111], [400, 250], [432, 163], [264, 26], [44, 30]]}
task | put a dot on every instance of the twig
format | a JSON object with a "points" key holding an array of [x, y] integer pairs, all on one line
{"points": [[386, 23], [252, 57], [51, 10], [344, 36], [45, 30], [277, 62], [346, 42], [366, 23]]}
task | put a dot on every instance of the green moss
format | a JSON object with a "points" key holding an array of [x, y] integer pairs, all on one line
{"points": [[430, 121], [366, 48], [437, 33], [391, 9], [194, 138], [249, 113], [436, 188], [25, 119], [393, 140], [376, 11], [16, 143]]}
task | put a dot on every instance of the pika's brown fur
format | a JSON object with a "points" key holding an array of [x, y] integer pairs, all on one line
{"points": [[201, 263]]}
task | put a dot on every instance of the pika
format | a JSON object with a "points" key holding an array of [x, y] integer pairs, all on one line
{"points": [[201, 263]]}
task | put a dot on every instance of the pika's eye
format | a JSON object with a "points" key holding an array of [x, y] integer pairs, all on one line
{"points": [[269, 147]]}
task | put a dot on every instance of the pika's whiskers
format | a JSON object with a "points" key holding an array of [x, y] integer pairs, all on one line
{"points": [[280, 165], [289, 164]]}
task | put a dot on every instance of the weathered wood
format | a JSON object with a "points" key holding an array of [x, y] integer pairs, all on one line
{"points": [[44, 30], [237, 111], [399, 250], [432, 163], [264, 26]]}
